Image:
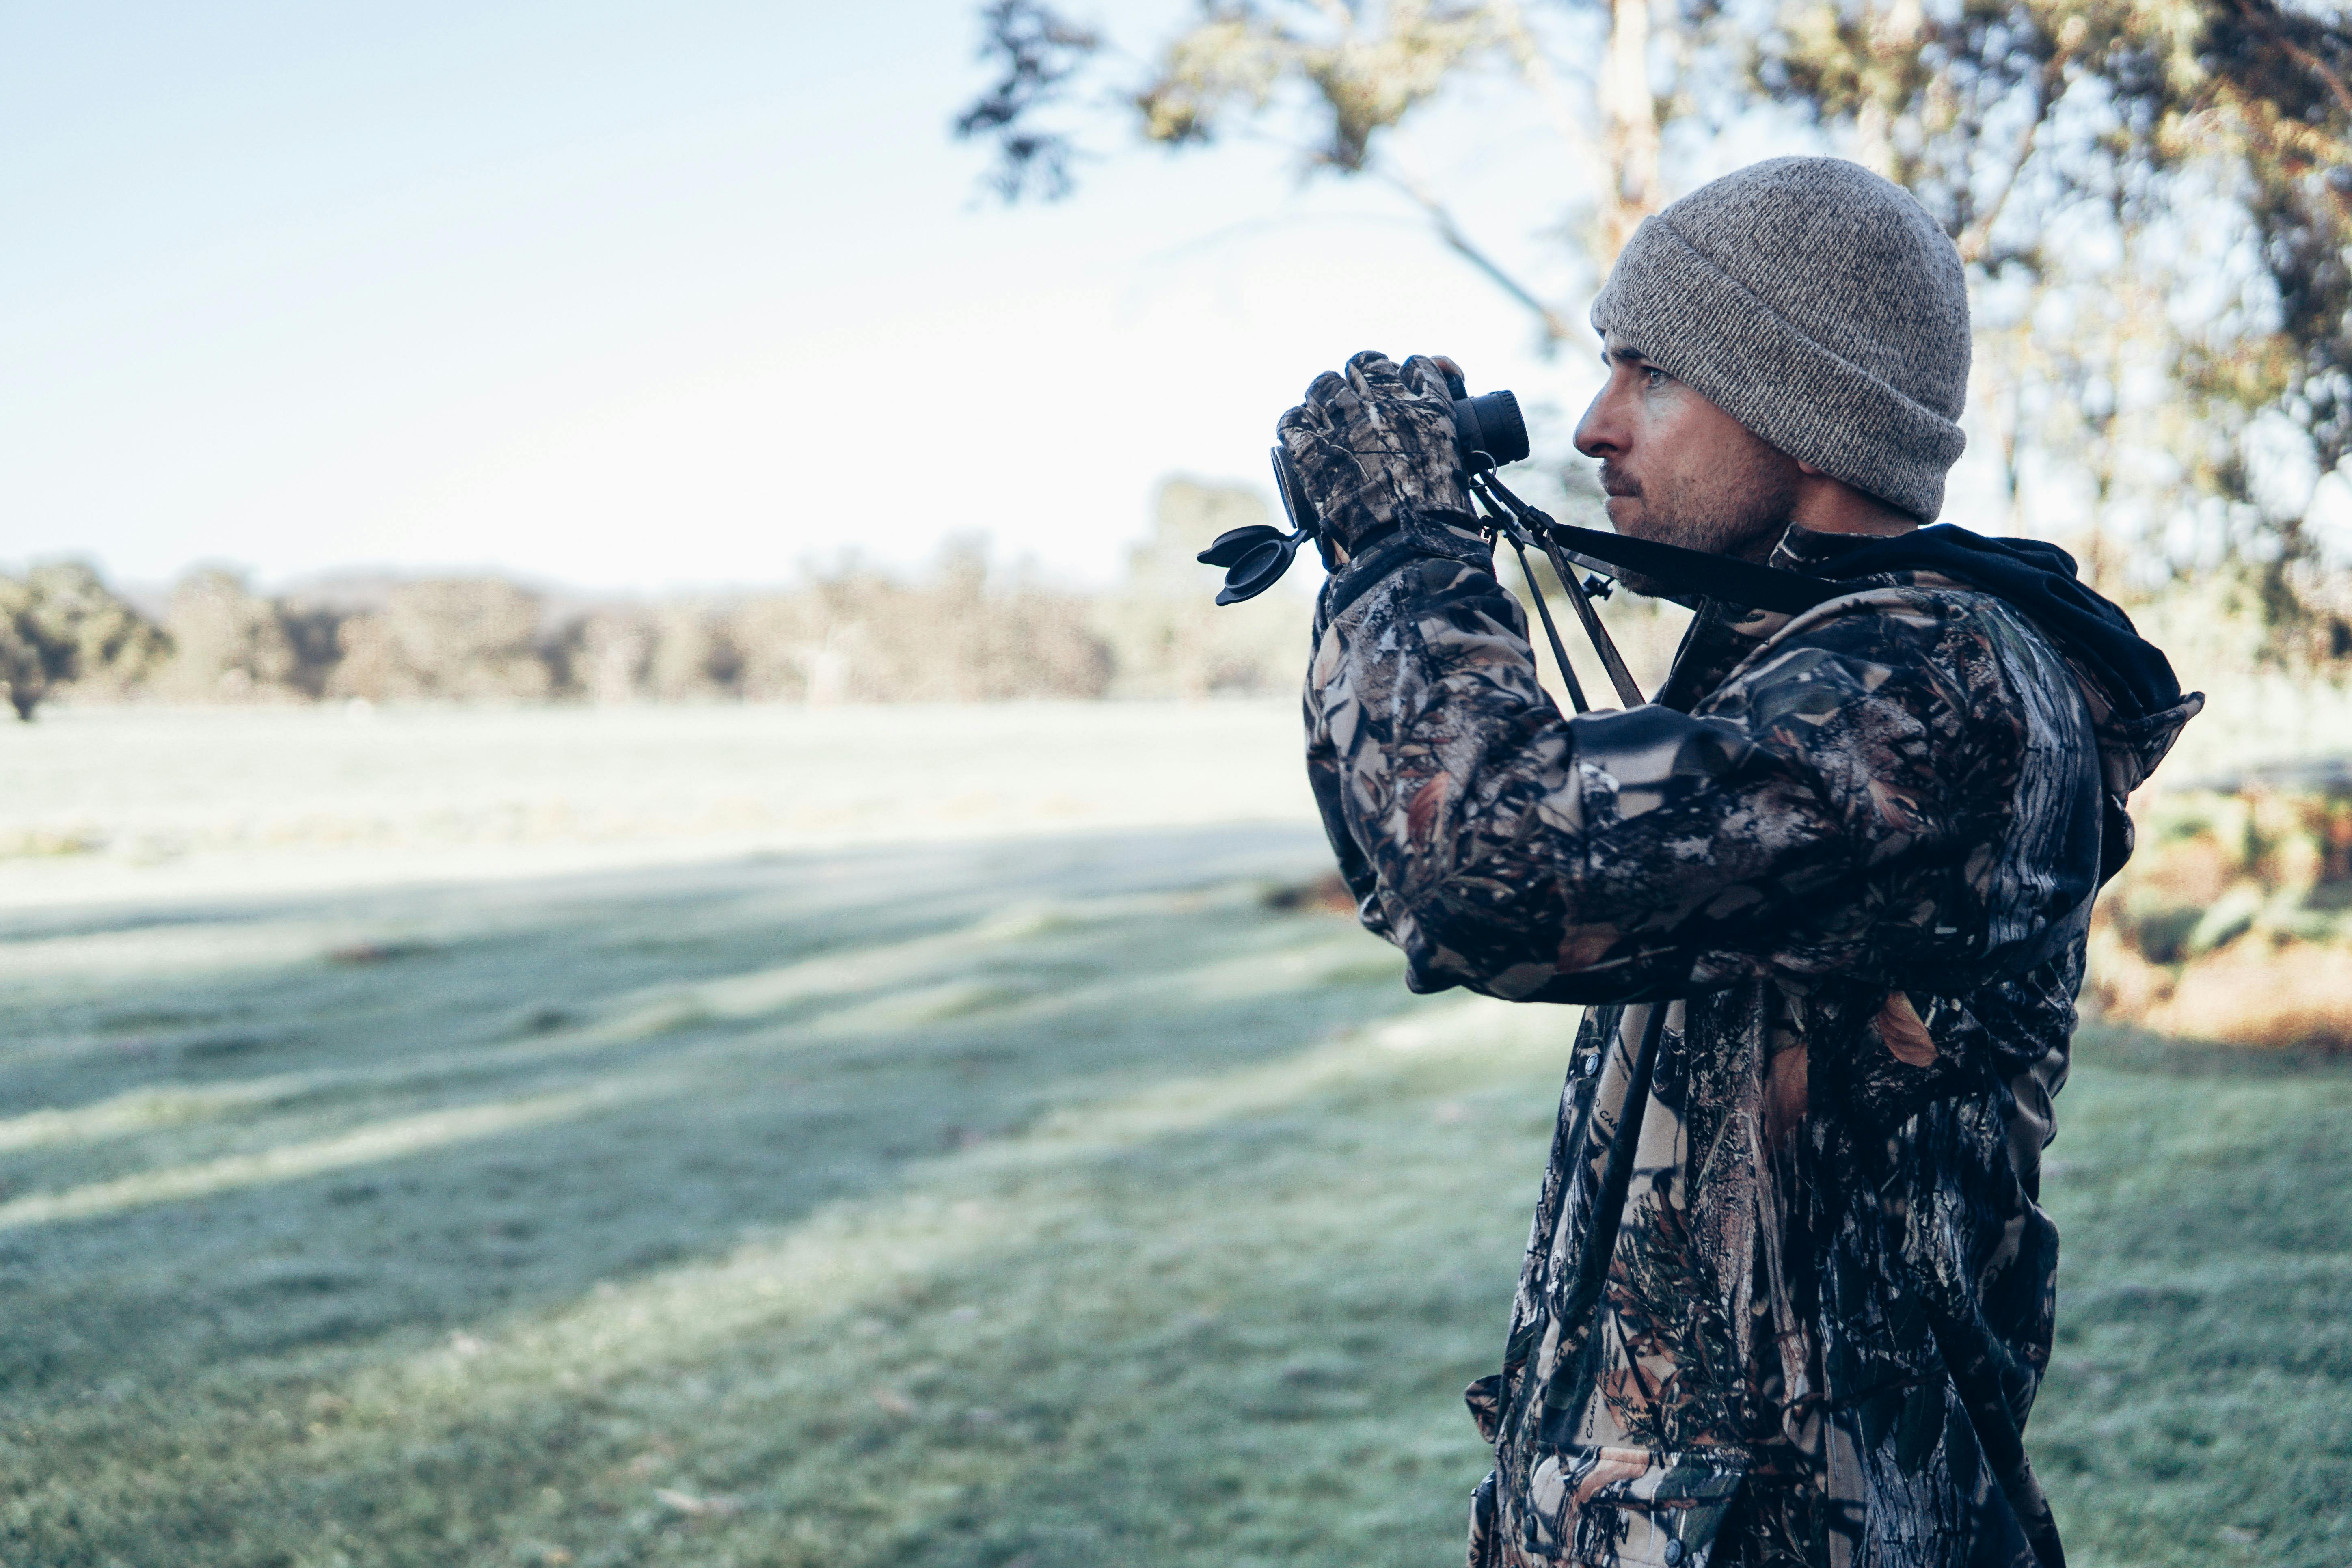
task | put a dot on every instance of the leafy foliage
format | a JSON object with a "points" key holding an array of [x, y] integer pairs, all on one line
{"points": [[448, 638], [230, 644], [1367, 77], [2113, 160], [1038, 52], [61, 625], [2154, 197]]}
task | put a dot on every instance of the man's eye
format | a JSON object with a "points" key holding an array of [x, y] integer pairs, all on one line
{"points": [[1651, 376]]}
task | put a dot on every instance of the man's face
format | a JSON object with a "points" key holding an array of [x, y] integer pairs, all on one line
{"points": [[1678, 470]]}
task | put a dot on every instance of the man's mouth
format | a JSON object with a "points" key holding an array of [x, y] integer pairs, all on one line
{"points": [[1617, 484]]}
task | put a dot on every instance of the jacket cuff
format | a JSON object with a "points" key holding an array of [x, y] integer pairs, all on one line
{"points": [[1385, 550]]}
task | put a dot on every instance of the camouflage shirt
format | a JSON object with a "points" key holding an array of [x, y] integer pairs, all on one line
{"points": [[1787, 1295]]}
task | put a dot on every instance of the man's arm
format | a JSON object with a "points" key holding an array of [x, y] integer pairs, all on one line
{"points": [[1809, 816]]}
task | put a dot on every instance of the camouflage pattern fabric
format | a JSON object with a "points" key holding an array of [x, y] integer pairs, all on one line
{"points": [[1375, 444], [1787, 1295]]}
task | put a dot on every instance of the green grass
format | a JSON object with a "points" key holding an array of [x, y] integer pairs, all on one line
{"points": [[1046, 1205], [2200, 1403]]}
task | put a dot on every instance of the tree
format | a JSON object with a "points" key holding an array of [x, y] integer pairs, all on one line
{"points": [[2117, 160], [446, 638], [229, 643], [852, 633], [676, 650], [1329, 81], [61, 625], [692, 659], [2154, 197]]}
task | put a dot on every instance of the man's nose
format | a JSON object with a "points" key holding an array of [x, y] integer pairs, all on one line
{"points": [[1602, 432]]}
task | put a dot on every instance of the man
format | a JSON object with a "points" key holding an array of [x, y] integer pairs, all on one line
{"points": [[1788, 1293]]}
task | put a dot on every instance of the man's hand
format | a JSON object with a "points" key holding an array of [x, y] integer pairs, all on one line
{"points": [[1375, 446]]}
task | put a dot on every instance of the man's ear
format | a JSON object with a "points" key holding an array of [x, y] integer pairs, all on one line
{"points": [[1807, 469]]}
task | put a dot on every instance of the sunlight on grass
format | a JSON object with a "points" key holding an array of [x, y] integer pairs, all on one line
{"points": [[401, 1139], [140, 1110], [1183, 1104], [957, 1212], [193, 949], [903, 968]]}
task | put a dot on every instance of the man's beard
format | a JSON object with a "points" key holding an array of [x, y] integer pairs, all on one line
{"points": [[1744, 520]]}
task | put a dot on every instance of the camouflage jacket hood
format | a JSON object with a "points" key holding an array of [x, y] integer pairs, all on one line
{"points": [[1788, 1293], [2136, 704], [2029, 575]]}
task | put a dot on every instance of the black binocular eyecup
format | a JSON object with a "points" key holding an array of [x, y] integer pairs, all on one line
{"points": [[1489, 426]]}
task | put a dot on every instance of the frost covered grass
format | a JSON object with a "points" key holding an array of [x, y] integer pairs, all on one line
{"points": [[939, 1206], [2198, 1409], [135, 804], [1045, 1193]]}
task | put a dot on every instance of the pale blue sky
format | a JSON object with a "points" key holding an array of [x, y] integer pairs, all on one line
{"points": [[630, 296]]}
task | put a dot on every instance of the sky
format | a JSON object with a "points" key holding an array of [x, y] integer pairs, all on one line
{"points": [[632, 298]]}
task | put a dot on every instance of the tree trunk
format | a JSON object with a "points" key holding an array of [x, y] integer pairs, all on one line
{"points": [[1631, 139]]}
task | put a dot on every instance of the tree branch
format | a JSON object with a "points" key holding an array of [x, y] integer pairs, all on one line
{"points": [[1039, 51], [2264, 21], [1537, 72], [1974, 238], [1557, 329]]}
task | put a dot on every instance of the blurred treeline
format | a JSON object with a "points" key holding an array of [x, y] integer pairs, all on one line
{"points": [[849, 632]]}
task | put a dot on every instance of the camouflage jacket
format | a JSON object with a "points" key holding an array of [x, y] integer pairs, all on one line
{"points": [[1787, 1295]]}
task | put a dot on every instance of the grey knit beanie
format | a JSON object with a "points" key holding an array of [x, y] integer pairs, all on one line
{"points": [[1821, 307]]}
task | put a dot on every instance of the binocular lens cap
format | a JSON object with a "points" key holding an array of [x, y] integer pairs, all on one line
{"points": [[1228, 548], [1260, 569]]}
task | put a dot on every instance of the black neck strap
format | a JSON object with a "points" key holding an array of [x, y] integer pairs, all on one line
{"points": [[1695, 572], [1688, 575]]}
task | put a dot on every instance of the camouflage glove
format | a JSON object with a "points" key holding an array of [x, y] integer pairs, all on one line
{"points": [[1375, 448]]}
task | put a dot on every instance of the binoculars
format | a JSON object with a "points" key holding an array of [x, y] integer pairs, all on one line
{"points": [[1488, 432]]}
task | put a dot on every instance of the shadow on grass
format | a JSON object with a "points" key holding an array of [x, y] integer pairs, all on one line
{"points": [[1010, 1206], [984, 1203]]}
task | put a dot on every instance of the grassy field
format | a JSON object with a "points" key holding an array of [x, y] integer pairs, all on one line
{"points": [[1069, 1198]]}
